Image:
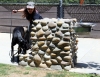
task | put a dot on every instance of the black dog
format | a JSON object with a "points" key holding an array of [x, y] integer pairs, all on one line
{"points": [[18, 37]]}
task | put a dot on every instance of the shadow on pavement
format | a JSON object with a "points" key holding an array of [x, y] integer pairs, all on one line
{"points": [[89, 65]]}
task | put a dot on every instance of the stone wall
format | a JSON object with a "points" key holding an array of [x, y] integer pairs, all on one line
{"points": [[54, 42]]}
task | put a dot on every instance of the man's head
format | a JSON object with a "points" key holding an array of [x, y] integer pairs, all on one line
{"points": [[30, 7]]}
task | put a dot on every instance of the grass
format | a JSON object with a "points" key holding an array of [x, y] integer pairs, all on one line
{"points": [[69, 74], [20, 71]]}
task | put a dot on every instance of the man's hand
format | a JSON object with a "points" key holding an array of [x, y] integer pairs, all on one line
{"points": [[15, 11]]}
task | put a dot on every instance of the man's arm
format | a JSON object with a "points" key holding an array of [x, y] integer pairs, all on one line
{"points": [[20, 10]]}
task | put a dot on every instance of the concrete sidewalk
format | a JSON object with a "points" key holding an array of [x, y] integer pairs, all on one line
{"points": [[5, 48], [88, 54]]}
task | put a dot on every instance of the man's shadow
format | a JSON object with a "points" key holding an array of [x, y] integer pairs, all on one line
{"points": [[89, 65]]}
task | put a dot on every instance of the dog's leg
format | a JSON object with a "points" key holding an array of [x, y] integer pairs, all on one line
{"points": [[12, 50], [19, 51], [24, 51], [13, 43], [12, 53]]}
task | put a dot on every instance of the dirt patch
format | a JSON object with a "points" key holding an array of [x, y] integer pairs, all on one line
{"points": [[21, 71]]}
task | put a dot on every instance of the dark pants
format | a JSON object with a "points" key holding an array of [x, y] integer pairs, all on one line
{"points": [[27, 35]]}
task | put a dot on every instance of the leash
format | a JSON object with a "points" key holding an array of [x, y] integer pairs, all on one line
{"points": [[11, 25]]}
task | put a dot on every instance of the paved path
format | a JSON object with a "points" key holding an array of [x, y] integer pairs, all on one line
{"points": [[88, 54], [5, 43]]}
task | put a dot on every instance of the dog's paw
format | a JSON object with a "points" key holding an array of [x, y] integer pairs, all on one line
{"points": [[12, 60]]}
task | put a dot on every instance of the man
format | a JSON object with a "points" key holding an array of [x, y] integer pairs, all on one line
{"points": [[30, 13]]}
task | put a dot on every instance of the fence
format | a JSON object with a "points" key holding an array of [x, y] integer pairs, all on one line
{"points": [[87, 13]]}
